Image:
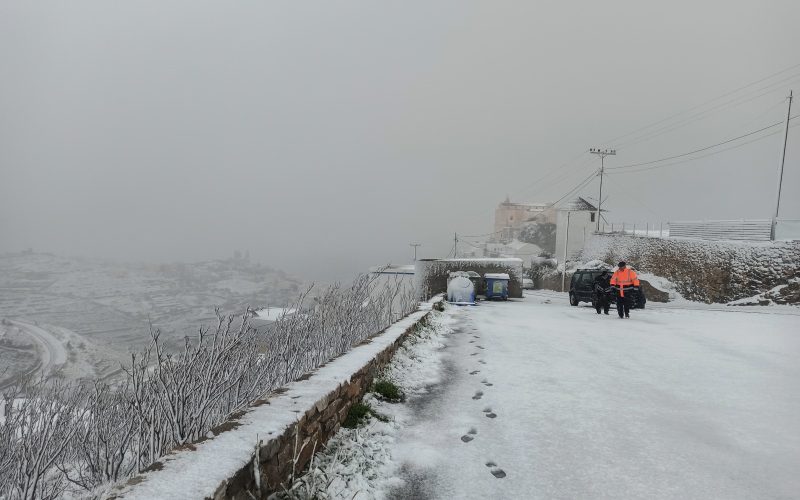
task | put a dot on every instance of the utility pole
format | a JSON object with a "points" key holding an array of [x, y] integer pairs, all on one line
{"points": [[602, 153], [415, 245], [783, 160], [455, 245], [566, 245]]}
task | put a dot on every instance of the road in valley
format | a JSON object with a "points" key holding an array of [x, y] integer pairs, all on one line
{"points": [[51, 350]]}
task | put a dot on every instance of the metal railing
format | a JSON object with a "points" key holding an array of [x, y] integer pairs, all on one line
{"points": [[644, 229], [741, 229]]}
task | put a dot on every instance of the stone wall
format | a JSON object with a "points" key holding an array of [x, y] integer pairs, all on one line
{"points": [[292, 424], [704, 271], [291, 452], [431, 275]]}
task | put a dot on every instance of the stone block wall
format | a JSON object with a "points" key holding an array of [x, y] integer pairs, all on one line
{"points": [[431, 275], [704, 271], [288, 454]]}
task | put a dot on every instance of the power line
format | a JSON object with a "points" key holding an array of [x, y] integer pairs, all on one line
{"points": [[478, 235], [632, 171], [697, 150], [701, 115], [577, 188], [693, 108], [567, 164]]}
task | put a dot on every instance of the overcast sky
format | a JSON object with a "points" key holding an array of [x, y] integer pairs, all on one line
{"points": [[325, 136]]}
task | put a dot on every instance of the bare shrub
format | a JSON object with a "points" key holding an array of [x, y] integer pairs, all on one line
{"points": [[57, 436]]}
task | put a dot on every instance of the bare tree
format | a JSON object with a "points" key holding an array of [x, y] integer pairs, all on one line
{"points": [[57, 436]]}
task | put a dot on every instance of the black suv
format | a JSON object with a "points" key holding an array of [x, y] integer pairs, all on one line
{"points": [[581, 288]]}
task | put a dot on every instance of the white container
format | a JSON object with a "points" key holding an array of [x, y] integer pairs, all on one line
{"points": [[461, 291]]}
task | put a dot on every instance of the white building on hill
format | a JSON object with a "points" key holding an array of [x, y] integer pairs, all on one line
{"points": [[580, 214], [510, 217]]}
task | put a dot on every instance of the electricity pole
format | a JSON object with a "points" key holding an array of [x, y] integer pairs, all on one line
{"points": [[415, 245], [602, 153], [455, 245], [783, 160]]}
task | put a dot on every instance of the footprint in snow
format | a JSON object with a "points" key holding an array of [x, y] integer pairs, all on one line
{"points": [[478, 395], [481, 361], [474, 372], [491, 415], [471, 341], [495, 470], [474, 354], [480, 347], [488, 409], [469, 435], [486, 383]]}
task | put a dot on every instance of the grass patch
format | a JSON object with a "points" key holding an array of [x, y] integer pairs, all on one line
{"points": [[359, 413], [388, 391]]}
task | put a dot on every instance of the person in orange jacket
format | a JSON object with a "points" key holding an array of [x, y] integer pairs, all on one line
{"points": [[626, 283]]}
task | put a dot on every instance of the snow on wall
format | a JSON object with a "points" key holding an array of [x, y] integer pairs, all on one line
{"points": [[430, 276], [705, 271], [288, 427]]}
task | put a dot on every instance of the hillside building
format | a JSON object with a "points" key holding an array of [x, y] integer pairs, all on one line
{"points": [[580, 216], [510, 217]]}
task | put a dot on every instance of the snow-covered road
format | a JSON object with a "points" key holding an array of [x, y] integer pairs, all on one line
{"points": [[544, 400], [51, 351]]}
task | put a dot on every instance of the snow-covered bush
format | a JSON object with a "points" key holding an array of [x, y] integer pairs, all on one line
{"points": [[57, 437]]}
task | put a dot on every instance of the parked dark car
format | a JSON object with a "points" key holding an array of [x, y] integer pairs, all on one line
{"points": [[581, 289]]}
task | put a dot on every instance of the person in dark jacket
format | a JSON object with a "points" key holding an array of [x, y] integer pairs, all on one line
{"points": [[602, 292]]}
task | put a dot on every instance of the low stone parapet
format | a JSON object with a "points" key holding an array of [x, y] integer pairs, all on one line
{"points": [[258, 451]]}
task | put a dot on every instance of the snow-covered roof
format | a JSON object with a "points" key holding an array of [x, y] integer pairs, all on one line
{"points": [[530, 205], [578, 205], [497, 276], [404, 269], [504, 260]]}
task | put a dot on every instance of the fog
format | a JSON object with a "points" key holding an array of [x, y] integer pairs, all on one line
{"points": [[324, 137]]}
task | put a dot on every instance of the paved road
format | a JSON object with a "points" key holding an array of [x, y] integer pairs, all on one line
{"points": [[50, 349], [544, 400]]}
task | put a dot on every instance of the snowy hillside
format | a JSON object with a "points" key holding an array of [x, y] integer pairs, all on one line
{"points": [[96, 310]]}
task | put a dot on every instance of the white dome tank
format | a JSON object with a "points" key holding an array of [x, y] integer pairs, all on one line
{"points": [[460, 290]]}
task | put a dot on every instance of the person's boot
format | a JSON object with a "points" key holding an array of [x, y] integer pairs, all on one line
{"points": [[627, 316]]}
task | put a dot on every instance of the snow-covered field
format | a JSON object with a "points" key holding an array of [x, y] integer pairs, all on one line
{"points": [[99, 310], [538, 399]]}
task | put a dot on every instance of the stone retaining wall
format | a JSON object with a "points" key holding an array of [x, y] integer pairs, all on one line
{"points": [[431, 275], [705, 271], [291, 425]]}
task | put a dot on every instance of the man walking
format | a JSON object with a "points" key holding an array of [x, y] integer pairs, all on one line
{"points": [[602, 292], [626, 284]]}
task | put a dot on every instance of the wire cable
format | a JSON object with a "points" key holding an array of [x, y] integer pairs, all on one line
{"points": [[580, 186], [698, 106], [631, 165], [694, 118], [701, 156]]}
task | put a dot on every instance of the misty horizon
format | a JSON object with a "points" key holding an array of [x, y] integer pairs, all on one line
{"points": [[324, 138]]}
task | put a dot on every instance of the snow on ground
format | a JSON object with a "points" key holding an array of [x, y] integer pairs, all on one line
{"points": [[273, 313], [198, 473], [357, 463], [538, 399]]}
